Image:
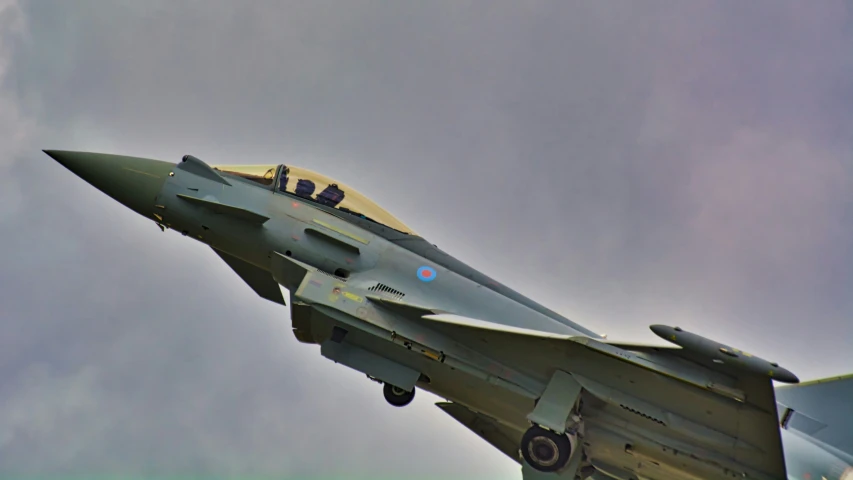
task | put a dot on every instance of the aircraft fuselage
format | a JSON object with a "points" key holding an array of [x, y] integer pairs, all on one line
{"points": [[362, 290]]}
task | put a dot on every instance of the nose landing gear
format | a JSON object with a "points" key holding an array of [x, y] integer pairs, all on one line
{"points": [[397, 396]]}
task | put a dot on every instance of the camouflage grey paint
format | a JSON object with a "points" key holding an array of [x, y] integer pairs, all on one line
{"points": [[456, 287], [817, 420], [647, 412]]}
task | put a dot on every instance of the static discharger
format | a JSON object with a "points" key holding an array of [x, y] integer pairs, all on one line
{"points": [[724, 354]]}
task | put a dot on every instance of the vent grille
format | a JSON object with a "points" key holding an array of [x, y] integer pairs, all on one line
{"points": [[340, 279], [382, 288], [637, 412]]}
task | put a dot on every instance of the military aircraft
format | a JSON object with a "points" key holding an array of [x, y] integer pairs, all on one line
{"points": [[559, 399]]}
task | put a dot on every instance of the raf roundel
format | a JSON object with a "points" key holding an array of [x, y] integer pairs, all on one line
{"points": [[426, 274]]}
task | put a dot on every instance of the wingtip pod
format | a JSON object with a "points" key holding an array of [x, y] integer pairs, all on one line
{"points": [[665, 332], [723, 354], [785, 376]]}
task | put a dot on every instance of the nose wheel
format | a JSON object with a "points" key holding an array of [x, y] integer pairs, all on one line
{"points": [[545, 450], [396, 396]]}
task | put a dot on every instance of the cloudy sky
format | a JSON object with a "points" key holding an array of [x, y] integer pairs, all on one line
{"points": [[624, 163]]}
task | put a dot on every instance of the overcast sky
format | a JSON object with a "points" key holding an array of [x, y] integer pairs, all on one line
{"points": [[624, 163]]}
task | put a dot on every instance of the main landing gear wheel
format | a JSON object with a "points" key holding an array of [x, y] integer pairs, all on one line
{"points": [[545, 450], [397, 396]]}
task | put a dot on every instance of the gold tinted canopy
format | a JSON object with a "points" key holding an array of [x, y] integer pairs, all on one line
{"points": [[263, 174], [317, 188]]}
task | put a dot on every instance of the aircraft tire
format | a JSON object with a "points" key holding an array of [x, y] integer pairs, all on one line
{"points": [[397, 396], [545, 450]]}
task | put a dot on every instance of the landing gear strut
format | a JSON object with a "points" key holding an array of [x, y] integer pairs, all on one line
{"points": [[549, 446], [397, 396], [545, 450]]}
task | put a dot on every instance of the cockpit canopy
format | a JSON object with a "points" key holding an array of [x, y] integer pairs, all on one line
{"points": [[317, 188]]}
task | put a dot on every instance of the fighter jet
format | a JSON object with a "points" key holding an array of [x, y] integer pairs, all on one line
{"points": [[558, 398]]}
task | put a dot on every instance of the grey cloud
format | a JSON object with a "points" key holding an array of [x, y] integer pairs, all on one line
{"points": [[675, 162], [15, 128]]}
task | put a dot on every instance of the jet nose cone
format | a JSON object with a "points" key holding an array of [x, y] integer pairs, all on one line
{"points": [[134, 182]]}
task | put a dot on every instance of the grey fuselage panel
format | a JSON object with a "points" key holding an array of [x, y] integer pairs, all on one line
{"points": [[420, 246]]}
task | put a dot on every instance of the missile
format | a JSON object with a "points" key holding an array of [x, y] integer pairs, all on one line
{"points": [[722, 354]]}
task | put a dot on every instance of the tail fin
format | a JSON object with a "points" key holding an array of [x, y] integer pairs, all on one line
{"points": [[822, 409]]}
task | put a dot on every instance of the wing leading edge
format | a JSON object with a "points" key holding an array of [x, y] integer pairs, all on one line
{"points": [[733, 415], [500, 436], [821, 409]]}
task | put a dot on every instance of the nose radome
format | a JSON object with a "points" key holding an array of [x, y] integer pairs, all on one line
{"points": [[134, 182]]}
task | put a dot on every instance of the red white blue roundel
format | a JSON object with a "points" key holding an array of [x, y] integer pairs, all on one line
{"points": [[426, 274]]}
